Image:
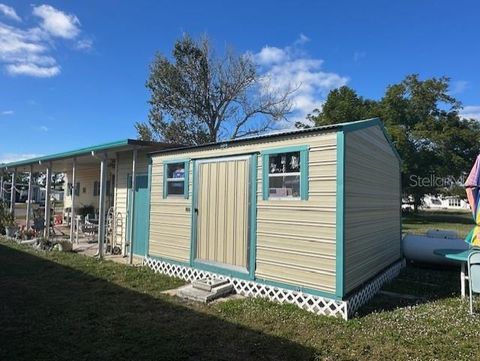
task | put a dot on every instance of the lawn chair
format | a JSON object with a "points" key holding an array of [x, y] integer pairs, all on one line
{"points": [[90, 229], [473, 275]]}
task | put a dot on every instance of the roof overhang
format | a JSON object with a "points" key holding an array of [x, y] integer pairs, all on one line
{"points": [[62, 162]]}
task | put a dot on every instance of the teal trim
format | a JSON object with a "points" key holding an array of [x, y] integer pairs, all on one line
{"points": [[340, 217], [193, 236], [143, 205], [253, 216], [185, 184], [293, 148], [304, 174], [186, 166], [78, 152], [165, 170], [303, 149], [221, 270], [172, 261], [147, 243], [298, 289], [265, 177]]}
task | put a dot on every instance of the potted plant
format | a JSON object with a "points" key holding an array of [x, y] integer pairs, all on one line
{"points": [[10, 225]]}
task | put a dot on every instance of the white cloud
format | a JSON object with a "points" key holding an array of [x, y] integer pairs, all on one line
{"points": [[302, 39], [9, 12], [28, 51], [43, 128], [84, 44], [359, 55], [459, 86], [33, 70], [471, 112], [14, 157], [291, 68], [7, 112], [56, 22], [270, 55]]}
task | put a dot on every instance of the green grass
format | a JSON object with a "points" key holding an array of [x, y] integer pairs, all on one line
{"points": [[461, 222], [59, 306]]}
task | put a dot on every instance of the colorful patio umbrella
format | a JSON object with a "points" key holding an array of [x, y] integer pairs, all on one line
{"points": [[472, 187]]}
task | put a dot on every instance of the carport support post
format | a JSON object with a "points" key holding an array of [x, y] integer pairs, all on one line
{"points": [[73, 190], [132, 205], [101, 205], [29, 198], [48, 185], [13, 193], [1, 188]]}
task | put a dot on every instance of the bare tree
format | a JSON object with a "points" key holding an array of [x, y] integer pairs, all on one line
{"points": [[198, 98]]}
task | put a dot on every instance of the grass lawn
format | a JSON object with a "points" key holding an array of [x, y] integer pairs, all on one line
{"points": [[461, 222], [59, 306]]}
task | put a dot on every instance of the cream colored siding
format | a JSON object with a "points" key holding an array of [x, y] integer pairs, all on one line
{"points": [[124, 168], [86, 176], [295, 239], [372, 205]]}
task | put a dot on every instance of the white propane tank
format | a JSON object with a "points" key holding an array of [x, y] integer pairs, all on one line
{"points": [[420, 248]]}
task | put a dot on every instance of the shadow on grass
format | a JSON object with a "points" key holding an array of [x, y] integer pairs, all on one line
{"points": [[52, 312], [416, 284]]}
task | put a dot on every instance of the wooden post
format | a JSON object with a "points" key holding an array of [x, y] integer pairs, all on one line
{"points": [[13, 193], [101, 205], [131, 216], [72, 210], [29, 199], [48, 184]]}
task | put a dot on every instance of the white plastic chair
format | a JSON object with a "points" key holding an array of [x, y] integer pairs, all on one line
{"points": [[473, 275]]}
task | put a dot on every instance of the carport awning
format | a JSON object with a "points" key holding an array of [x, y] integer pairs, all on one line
{"points": [[62, 162]]}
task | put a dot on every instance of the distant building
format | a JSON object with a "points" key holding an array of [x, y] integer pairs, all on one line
{"points": [[445, 202]]}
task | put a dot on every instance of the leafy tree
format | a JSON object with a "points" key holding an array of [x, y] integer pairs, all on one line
{"points": [[197, 97], [342, 104], [424, 123]]}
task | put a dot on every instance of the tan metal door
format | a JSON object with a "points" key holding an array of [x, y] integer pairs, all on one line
{"points": [[223, 209]]}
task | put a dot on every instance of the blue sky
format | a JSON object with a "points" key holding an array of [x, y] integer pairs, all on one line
{"points": [[72, 73]]}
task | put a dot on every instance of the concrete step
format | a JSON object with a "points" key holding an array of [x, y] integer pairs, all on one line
{"points": [[207, 284], [197, 294]]}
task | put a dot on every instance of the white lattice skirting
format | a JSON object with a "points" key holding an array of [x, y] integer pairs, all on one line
{"points": [[316, 304]]}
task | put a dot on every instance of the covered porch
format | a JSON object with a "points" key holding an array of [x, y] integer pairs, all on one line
{"points": [[99, 204]]}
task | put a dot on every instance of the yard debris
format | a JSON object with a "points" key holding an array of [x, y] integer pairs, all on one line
{"points": [[44, 244]]}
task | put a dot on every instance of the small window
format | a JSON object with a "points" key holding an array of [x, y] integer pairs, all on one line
{"points": [[176, 179], [285, 174], [77, 189]]}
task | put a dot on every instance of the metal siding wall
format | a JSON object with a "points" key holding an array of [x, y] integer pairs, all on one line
{"points": [[295, 239], [372, 206]]}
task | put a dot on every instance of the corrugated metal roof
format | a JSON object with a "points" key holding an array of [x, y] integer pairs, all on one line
{"points": [[269, 135]]}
